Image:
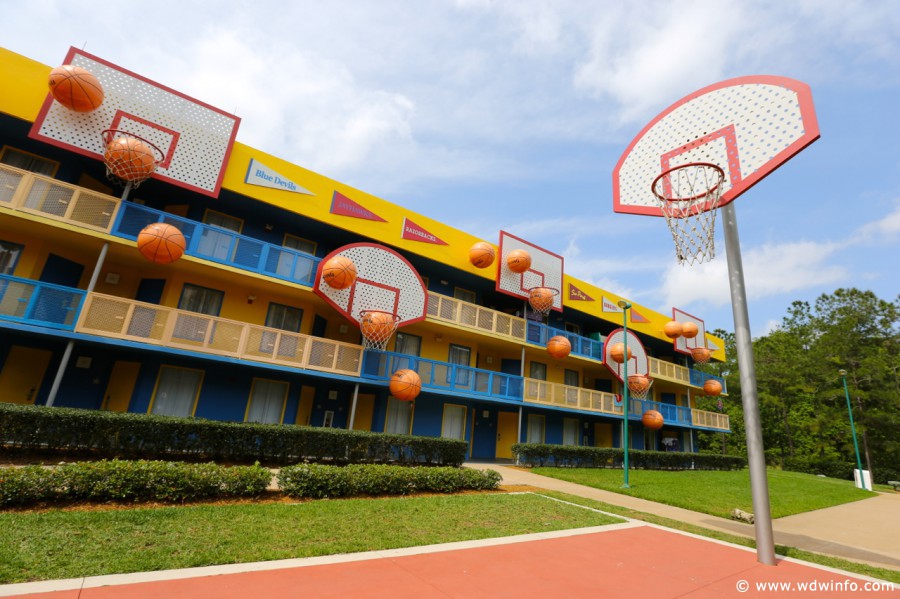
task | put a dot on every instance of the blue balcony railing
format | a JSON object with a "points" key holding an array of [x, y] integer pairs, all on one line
{"points": [[698, 378], [443, 376], [35, 302], [540, 334], [671, 414], [221, 245]]}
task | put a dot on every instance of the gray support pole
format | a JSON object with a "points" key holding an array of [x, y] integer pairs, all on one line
{"points": [[353, 407], [756, 457], [67, 354]]}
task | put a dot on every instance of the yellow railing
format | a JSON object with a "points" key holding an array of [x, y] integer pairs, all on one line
{"points": [[485, 320], [669, 371], [47, 197], [556, 394], [121, 318], [710, 419]]}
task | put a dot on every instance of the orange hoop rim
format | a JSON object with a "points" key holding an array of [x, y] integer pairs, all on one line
{"points": [[693, 198], [108, 135]]}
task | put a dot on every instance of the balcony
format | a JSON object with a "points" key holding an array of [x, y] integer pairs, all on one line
{"points": [[49, 198], [698, 378], [714, 420], [43, 304], [672, 414], [540, 334], [119, 318], [566, 396], [443, 376], [491, 322]]}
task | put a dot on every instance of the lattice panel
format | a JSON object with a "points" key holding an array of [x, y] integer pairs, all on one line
{"points": [[194, 138], [105, 315], [385, 281], [9, 181], [638, 364], [748, 126], [546, 270]]}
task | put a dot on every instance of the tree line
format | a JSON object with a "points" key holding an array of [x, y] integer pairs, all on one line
{"points": [[802, 401]]}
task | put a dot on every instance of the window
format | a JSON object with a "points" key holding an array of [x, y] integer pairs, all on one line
{"points": [[399, 417], [464, 295], [284, 317], [453, 425], [573, 328], [538, 371], [27, 161], [535, 432], [460, 356], [570, 431], [267, 400], [411, 345], [177, 391], [216, 244], [296, 267], [9, 256], [201, 300], [571, 378]]}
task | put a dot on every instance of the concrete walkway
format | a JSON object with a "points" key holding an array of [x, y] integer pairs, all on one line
{"points": [[865, 531]]}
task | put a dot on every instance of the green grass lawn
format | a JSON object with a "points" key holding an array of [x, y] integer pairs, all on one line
{"points": [[66, 544], [717, 493]]}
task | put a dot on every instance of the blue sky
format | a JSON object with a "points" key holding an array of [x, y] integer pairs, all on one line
{"points": [[511, 115]]}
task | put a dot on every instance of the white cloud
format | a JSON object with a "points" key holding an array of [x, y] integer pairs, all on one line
{"points": [[878, 230]]}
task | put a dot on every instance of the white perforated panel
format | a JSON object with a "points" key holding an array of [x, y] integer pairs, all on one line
{"points": [[195, 138], [385, 281], [546, 270], [748, 126], [683, 344], [638, 364]]}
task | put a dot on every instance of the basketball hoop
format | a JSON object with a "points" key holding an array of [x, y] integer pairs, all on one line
{"points": [[377, 327], [639, 386], [129, 159], [688, 196], [541, 299], [701, 355]]}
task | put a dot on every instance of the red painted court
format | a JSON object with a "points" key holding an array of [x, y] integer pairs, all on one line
{"points": [[634, 561]]}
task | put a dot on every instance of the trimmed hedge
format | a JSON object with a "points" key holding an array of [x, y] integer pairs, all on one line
{"points": [[317, 481], [168, 482], [536, 454], [104, 434]]}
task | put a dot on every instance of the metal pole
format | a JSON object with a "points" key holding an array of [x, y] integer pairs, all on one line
{"points": [[625, 306], [67, 354], [862, 479], [353, 407], [756, 458]]}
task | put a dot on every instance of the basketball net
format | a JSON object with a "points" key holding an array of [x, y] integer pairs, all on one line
{"points": [[541, 299], [377, 327], [688, 196], [637, 390], [126, 172]]}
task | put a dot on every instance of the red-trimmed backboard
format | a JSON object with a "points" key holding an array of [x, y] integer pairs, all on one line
{"points": [[749, 126], [195, 138], [546, 270]]}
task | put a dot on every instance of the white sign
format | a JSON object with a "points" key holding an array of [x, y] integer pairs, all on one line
{"points": [[260, 174]]}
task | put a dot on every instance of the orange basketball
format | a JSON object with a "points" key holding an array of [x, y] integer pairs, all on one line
{"points": [[161, 243], [339, 272], [75, 88], [652, 420], [377, 326], [638, 383], [559, 347], [130, 159], [482, 254], [689, 330], [405, 384], [712, 387], [700, 354], [673, 329], [518, 260], [617, 352], [541, 299]]}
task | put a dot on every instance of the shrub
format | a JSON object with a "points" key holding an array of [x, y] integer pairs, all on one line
{"points": [[831, 467], [317, 481], [535, 454], [105, 434], [169, 482]]}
